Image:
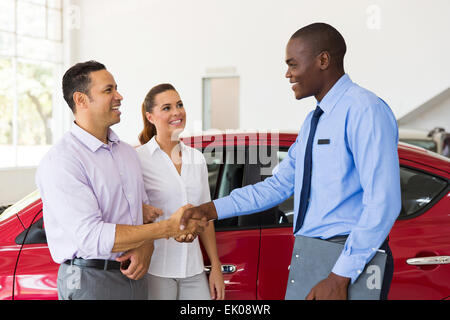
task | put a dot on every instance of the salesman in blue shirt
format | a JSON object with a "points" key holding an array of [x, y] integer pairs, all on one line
{"points": [[343, 169]]}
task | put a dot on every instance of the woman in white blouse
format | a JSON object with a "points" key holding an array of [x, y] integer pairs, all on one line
{"points": [[175, 175]]}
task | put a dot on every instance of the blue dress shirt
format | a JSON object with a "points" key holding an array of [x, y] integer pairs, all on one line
{"points": [[355, 182]]}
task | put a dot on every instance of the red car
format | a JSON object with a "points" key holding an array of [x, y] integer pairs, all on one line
{"points": [[255, 250]]}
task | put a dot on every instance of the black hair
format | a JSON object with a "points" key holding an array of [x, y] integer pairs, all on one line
{"points": [[323, 37], [77, 79]]}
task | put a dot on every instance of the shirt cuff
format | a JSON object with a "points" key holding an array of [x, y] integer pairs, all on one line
{"points": [[225, 208], [349, 267], [106, 239]]}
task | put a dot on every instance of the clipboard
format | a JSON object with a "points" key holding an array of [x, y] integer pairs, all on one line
{"points": [[312, 261]]}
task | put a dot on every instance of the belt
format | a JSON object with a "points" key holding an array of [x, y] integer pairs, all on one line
{"points": [[94, 263], [342, 239]]}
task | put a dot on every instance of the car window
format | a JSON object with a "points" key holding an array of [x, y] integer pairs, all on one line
{"points": [[227, 171], [283, 214], [214, 161], [418, 190], [426, 144]]}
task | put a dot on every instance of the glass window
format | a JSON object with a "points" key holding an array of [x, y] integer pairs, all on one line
{"points": [[418, 190], [214, 161], [225, 175], [426, 144], [30, 69], [7, 16], [7, 158], [31, 19], [283, 214]]}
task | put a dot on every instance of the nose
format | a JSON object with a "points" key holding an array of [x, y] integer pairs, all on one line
{"points": [[288, 73], [118, 96], [176, 111]]}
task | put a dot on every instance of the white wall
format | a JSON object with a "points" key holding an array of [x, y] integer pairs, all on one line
{"points": [[15, 184], [146, 42], [435, 116]]}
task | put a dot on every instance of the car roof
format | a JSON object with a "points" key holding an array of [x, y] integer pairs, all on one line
{"points": [[423, 156]]}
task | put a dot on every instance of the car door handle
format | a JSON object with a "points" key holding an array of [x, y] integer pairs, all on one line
{"points": [[226, 268], [422, 261]]}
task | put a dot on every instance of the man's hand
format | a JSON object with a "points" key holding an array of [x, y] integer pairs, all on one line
{"points": [[193, 227], [135, 262], [150, 214], [334, 287], [206, 212]]}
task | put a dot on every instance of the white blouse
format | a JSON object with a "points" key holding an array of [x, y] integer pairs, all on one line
{"points": [[168, 190]]}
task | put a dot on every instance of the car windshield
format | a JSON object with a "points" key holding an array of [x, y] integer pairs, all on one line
{"points": [[20, 205], [426, 144]]}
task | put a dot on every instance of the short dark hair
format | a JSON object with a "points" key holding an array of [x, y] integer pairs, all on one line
{"points": [[77, 79], [323, 37]]}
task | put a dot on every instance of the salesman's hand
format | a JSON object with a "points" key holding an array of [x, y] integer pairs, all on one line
{"points": [[206, 211], [334, 287], [150, 213], [135, 262], [193, 227]]}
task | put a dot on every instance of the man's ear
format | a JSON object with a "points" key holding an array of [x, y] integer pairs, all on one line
{"points": [[324, 60], [80, 100]]}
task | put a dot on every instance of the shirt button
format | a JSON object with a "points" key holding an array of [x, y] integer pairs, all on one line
{"points": [[359, 271]]}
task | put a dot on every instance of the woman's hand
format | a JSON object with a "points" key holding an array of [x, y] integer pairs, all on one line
{"points": [[150, 214], [216, 283]]}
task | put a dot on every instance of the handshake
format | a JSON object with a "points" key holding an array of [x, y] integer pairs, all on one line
{"points": [[186, 223]]}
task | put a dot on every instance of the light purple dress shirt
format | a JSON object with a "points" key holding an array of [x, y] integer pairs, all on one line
{"points": [[87, 187]]}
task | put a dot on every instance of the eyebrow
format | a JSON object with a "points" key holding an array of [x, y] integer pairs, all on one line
{"points": [[168, 104], [289, 60], [109, 86]]}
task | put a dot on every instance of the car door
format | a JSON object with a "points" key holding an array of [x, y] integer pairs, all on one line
{"points": [[36, 272], [237, 238], [422, 230], [277, 242]]}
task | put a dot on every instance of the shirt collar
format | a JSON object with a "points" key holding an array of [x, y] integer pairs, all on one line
{"points": [[89, 140], [152, 145], [335, 93]]}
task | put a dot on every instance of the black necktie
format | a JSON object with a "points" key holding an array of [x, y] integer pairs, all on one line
{"points": [[306, 185]]}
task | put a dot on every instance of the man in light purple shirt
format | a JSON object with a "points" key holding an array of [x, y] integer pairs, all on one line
{"points": [[93, 197]]}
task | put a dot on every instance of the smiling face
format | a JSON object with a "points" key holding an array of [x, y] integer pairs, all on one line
{"points": [[304, 68], [101, 104], [168, 114]]}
